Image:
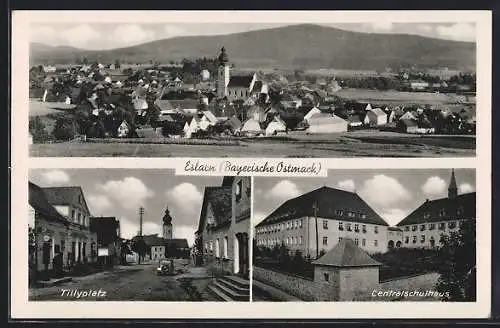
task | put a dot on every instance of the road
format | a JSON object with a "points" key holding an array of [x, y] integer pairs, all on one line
{"points": [[127, 283]]}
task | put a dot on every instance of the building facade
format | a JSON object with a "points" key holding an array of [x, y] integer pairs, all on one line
{"points": [[61, 226], [424, 227], [224, 225], [315, 222]]}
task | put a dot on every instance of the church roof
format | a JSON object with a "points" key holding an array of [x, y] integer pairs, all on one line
{"points": [[443, 209], [240, 81], [331, 203], [346, 254]]}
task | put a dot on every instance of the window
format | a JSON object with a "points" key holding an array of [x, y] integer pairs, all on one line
{"points": [[375, 242], [217, 248], [407, 228], [296, 224], [325, 241], [225, 247], [350, 214], [325, 224], [414, 239], [349, 227], [422, 227], [326, 276], [300, 223], [287, 240], [364, 228], [356, 241], [338, 212], [460, 210], [414, 228], [407, 240], [79, 221], [422, 239], [363, 216], [340, 239], [80, 199], [363, 242], [452, 225], [73, 214], [375, 229], [427, 215], [300, 240], [442, 212], [356, 227], [341, 226], [442, 226], [239, 186], [432, 226]]}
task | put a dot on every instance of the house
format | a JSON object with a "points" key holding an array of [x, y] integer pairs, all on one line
{"points": [[123, 130], [234, 124], [256, 113], [108, 234], [311, 112], [140, 105], [409, 115], [290, 101], [275, 126], [207, 119], [150, 132], [191, 126], [337, 214], [205, 75], [424, 227], [375, 117], [326, 123], [62, 225], [354, 121], [251, 127], [224, 225], [407, 125], [418, 85]]}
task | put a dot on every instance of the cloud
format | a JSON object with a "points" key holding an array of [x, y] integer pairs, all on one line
{"points": [[80, 35], [130, 192], [424, 28], [186, 196], [348, 185], [132, 34], [55, 177], [465, 188], [43, 34], [394, 215], [184, 232], [383, 191], [284, 190], [382, 26], [151, 228], [128, 229], [173, 30], [458, 32], [434, 186], [98, 203]]}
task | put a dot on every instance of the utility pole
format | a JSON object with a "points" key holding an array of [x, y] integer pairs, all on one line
{"points": [[315, 208], [141, 213]]}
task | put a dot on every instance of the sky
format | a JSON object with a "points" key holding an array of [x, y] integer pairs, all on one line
{"points": [[100, 36], [392, 193], [120, 193]]}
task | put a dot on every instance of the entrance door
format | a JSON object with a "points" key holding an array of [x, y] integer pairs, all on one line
{"points": [[243, 254]]}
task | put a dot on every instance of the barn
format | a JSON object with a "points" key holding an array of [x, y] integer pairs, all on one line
{"points": [[326, 123]]}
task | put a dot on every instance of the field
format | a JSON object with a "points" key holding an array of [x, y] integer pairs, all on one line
{"points": [[399, 97], [352, 144]]}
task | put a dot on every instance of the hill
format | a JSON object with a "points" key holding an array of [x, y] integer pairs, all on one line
{"points": [[305, 46]]}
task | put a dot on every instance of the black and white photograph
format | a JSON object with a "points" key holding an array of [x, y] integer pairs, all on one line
{"points": [[137, 235], [247, 89], [366, 235]]}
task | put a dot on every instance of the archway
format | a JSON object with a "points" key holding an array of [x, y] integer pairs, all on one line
{"points": [[432, 241], [398, 244], [390, 245]]}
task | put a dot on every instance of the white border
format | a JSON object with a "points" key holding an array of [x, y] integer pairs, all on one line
{"points": [[21, 308]]}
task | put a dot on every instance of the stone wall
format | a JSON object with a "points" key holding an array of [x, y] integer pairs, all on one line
{"points": [[303, 288]]}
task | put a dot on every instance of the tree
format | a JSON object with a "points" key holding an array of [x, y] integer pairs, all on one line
{"points": [[124, 251], [38, 130], [457, 271], [64, 129], [140, 247]]}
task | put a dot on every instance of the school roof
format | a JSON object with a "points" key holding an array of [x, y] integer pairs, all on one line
{"points": [[346, 254], [38, 200], [331, 203], [443, 209]]}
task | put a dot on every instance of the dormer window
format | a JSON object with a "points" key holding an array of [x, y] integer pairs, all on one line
{"points": [[338, 212], [442, 212]]}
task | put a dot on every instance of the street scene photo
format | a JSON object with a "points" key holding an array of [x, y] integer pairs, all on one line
{"points": [[252, 89], [137, 235], [366, 235]]}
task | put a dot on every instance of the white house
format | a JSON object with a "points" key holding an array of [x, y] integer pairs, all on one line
{"points": [[313, 111], [191, 126], [207, 119], [251, 126], [123, 129], [326, 123], [375, 117], [205, 74], [277, 125]]}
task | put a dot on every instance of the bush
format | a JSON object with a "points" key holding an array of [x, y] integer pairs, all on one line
{"points": [[38, 130], [64, 129]]}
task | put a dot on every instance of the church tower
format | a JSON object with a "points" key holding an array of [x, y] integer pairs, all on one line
{"points": [[167, 225], [222, 73], [452, 188]]}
